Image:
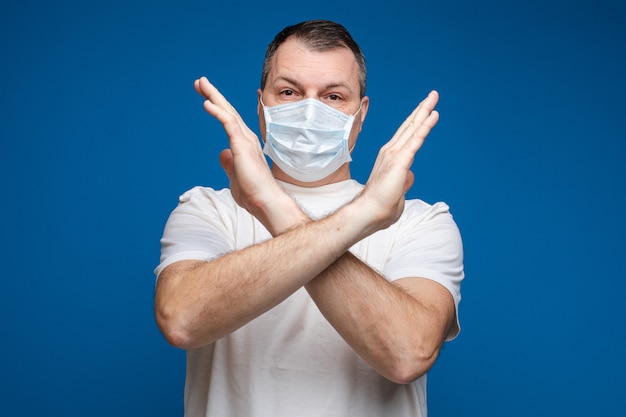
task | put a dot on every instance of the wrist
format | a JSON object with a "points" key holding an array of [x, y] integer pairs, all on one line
{"points": [[355, 220], [282, 214]]}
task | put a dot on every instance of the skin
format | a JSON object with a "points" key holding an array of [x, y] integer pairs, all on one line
{"points": [[396, 327], [299, 75]]}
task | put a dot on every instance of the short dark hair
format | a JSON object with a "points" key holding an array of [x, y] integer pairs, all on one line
{"points": [[317, 35]]}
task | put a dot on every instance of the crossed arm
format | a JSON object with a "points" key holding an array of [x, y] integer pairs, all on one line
{"points": [[398, 327]]}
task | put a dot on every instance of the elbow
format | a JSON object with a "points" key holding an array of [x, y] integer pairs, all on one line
{"points": [[406, 369], [176, 336], [174, 329], [173, 309], [406, 374]]}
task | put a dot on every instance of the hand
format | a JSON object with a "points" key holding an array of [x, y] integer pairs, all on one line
{"points": [[251, 182], [391, 176]]}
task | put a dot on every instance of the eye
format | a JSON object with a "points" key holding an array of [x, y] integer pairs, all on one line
{"points": [[334, 97], [287, 92]]}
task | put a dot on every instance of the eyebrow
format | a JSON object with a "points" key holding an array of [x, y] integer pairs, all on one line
{"points": [[298, 85]]}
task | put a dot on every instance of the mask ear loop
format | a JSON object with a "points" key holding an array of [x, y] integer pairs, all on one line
{"points": [[354, 115], [358, 111]]}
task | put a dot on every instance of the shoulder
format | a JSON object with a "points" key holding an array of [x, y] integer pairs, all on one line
{"points": [[431, 224], [205, 193], [419, 211], [202, 205], [206, 199]]}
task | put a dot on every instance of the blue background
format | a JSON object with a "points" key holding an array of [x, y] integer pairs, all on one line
{"points": [[101, 130]]}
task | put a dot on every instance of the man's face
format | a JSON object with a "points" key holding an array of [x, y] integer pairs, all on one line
{"points": [[297, 73]]}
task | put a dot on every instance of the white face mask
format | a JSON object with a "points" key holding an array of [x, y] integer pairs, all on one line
{"points": [[307, 139]]}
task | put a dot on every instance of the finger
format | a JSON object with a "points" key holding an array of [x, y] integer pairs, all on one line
{"points": [[216, 104], [218, 101], [211, 93], [405, 144], [421, 112], [426, 109], [196, 86], [414, 120], [231, 123], [427, 125], [423, 119], [428, 104], [416, 134]]}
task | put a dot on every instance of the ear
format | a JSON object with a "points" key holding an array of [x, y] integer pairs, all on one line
{"points": [[261, 115], [365, 104], [259, 106]]}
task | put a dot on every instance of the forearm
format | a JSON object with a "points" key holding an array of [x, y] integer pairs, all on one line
{"points": [[397, 333], [199, 302]]}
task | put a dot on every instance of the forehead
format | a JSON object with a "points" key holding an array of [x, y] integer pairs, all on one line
{"points": [[294, 60]]}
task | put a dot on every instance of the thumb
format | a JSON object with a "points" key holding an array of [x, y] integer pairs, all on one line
{"points": [[226, 161], [408, 182]]}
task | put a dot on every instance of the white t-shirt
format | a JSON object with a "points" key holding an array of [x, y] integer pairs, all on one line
{"points": [[290, 361]]}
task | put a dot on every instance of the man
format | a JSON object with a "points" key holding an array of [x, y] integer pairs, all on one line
{"points": [[299, 292]]}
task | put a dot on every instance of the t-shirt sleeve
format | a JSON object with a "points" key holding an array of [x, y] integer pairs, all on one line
{"points": [[198, 228], [428, 245]]}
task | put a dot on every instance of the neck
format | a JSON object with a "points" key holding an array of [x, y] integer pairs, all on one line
{"points": [[342, 174]]}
